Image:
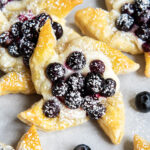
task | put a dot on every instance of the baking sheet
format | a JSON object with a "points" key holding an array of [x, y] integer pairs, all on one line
{"points": [[11, 129]]}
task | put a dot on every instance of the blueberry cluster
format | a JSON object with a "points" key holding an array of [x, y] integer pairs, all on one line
{"points": [[136, 16], [22, 37], [78, 90]]}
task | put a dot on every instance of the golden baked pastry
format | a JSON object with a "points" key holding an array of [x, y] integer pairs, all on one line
{"points": [[45, 53], [6, 147], [8, 15], [140, 143], [30, 140], [94, 23]]}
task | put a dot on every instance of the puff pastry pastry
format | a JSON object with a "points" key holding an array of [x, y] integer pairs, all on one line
{"points": [[30, 140], [112, 122], [15, 65], [140, 143]]}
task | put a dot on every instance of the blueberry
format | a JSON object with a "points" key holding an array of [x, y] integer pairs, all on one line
{"points": [[16, 30], [146, 47], [82, 147], [55, 71], [5, 39], [76, 61], [127, 9], [42, 18], [58, 30], [96, 111], [51, 109], [143, 32], [97, 66], [76, 81], [26, 60], [125, 22], [94, 82], [14, 50], [109, 88], [143, 101], [59, 88], [73, 99]]}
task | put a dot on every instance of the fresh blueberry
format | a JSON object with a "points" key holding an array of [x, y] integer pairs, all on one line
{"points": [[82, 147], [109, 88], [73, 99], [146, 47], [55, 71], [127, 9], [75, 81], [143, 101], [94, 82], [76, 61], [97, 66], [125, 22], [59, 88], [5, 39], [58, 30], [14, 50], [51, 109], [16, 30]]}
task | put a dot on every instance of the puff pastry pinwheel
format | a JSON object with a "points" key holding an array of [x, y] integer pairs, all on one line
{"points": [[76, 85], [124, 27], [140, 143], [6, 147], [20, 22], [30, 140]]}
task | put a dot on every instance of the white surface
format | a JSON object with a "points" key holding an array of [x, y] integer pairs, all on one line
{"points": [[11, 129]]}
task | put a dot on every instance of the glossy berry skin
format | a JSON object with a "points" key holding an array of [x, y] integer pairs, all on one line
{"points": [[58, 30], [143, 32], [14, 50], [76, 61], [75, 81], [96, 111], [73, 99], [16, 30], [82, 147], [94, 82], [97, 66], [5, 39], [146, 47], [51, 109], [109, 88], [142, 101], [125, 22], [42, 18], [127, 9], [59, 88], [55, 71]]}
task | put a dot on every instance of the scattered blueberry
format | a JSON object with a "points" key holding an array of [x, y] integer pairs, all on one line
{"points": [[16, 30], [97, 66], [94, 82], [73, 99], [76, 81], [125, 22], [143, 101], [146, 47], [127, 9], [59, 88], [76, 61], [14, 50], [51, 109], [58, 30], [5, 39], [55, 71], [109, 88], [82, 147]]}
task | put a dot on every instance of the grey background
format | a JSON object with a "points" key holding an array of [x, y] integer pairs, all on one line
{"points": [[11, 129]]}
